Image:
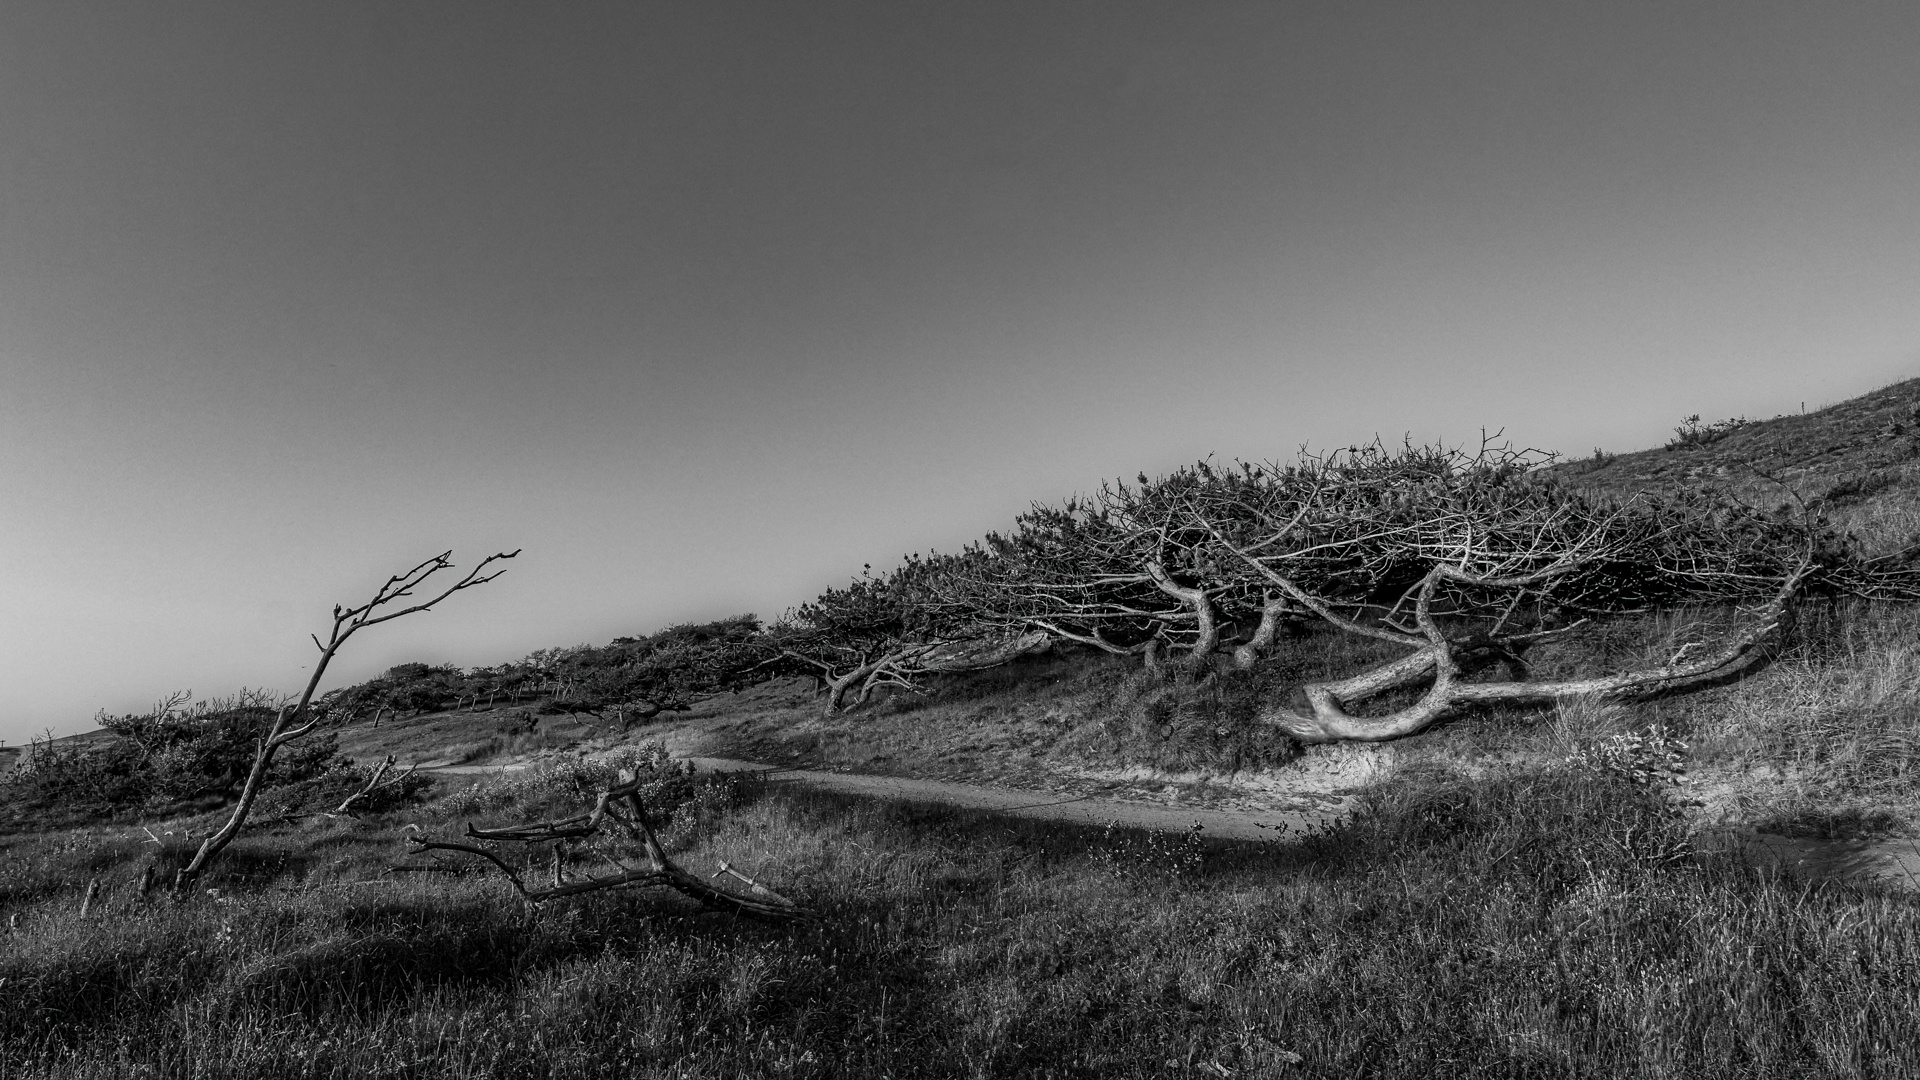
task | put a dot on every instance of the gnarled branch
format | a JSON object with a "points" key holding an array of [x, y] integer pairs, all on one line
{"points": [[1330, 720], [622, 807]]}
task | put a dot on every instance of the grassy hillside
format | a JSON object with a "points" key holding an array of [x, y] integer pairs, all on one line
{"points": [[1859, 461], [1517, 892]]}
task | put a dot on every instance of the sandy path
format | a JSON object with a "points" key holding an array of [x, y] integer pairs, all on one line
{"points": [[1037, 805], [1894, 862], [1014, 802]]}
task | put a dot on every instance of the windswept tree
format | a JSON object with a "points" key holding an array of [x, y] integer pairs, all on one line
{"points": [[894, 630], [1460, 562], [1103, 572], [299, 718], [1135, 570], [1463, 563]]}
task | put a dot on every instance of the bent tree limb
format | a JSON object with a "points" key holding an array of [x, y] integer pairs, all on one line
{"points": [[839, 680], [641, 710], [1206, 622], [298, 718], [622, 807], [375, 782], [1272, 610], [1440, 658]]}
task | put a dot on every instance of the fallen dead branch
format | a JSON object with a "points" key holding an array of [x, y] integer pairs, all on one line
{"points": [[618, 813], [376, 783]]}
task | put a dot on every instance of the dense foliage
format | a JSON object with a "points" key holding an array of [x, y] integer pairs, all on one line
{"points": [[1421, 546], [175, 752]]}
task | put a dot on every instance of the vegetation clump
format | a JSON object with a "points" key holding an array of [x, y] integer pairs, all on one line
{"points": [[1692, 433], [153, 762]]}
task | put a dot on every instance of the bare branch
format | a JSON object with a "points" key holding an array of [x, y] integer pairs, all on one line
{"points": [[375, 783], [296, 719], [661, 869]]}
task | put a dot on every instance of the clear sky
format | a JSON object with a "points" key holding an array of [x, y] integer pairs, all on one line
{"points": [[705, 305]]}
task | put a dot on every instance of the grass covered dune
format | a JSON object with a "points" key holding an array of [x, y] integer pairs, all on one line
{"points": [[1543, 921]]}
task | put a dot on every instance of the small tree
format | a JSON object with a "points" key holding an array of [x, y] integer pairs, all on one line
{"points": [[894, 630], [298, 718]]}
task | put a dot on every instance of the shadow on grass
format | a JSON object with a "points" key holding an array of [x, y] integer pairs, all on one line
{"points": [[1531, 924]]}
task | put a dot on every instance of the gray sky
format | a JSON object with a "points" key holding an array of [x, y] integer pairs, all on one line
{"points": [[706, 304]]}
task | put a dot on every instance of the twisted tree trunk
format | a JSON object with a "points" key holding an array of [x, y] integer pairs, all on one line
{"points": [[1272, 610], [1440, 658]]}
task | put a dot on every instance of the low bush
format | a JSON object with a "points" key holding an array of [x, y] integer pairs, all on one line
{"points": [[155, 761], [1692, 433]]}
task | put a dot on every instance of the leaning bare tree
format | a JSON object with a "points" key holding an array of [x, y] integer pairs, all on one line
{"points": [[894, 630], [299, 717]]}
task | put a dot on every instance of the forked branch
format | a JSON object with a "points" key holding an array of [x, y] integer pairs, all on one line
{"points": [[374, 783], [298, 717], [623, 808]]}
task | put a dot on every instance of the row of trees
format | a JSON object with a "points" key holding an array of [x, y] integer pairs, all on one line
{"points": [[633, 677], [1459, 562]]}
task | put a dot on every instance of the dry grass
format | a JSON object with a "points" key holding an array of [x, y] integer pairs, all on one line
{"points": [[1827, 741], [1527, 924], [1508, 901], [1862, 450]]}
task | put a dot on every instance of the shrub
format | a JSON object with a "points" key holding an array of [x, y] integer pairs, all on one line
{"points": [[1859, 488], [1692, 433], [570, 781], [170, 754], [1646, 758]]}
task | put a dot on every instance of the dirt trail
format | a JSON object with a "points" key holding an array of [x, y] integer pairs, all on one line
{"points": [[1221, 824], [1892, 862], [1229, 824]]}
